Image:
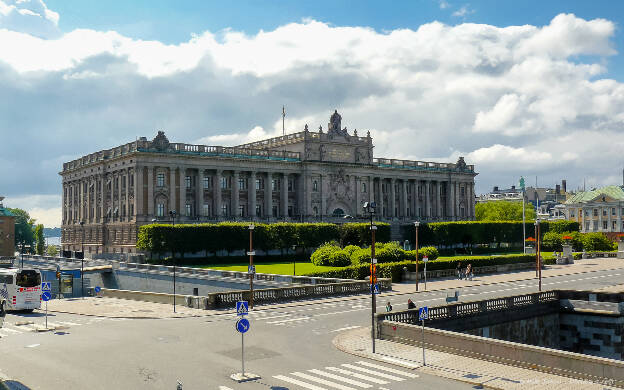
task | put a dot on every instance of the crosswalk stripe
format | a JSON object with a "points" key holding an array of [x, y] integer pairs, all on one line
{"points": [[298, 382], [272, 317], [322, 381], [339, 378], [224, 388], [388, 369], [288, 320], [371, 372], [69, 323], [11, 330], [356, 375]]}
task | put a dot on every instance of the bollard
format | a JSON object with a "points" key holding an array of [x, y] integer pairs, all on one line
{"points": [[179, 387]]}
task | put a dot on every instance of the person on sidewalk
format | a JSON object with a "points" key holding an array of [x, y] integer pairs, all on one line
{"points": [[459, 270], [469, 272], [388, 307], [410, 304]]}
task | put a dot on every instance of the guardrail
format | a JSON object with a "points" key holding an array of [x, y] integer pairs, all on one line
{"points": [[452, 272]]}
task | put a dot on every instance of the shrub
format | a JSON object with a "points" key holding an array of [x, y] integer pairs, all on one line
{"points": [[552, 242], [350, 249], [339, 258], [361, 256], [596, 242], [324, 254], [389, 253]]}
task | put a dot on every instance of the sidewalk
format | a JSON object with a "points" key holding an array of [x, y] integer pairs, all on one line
{"points": [[120, 308], [479, 373], [579, 267]]}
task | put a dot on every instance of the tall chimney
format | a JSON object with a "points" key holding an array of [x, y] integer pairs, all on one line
{"points": [[563, 186], [557, 189]]}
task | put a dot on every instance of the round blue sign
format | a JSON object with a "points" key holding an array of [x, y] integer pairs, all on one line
{"points": [[242, 325], [97, 289], [46, 296]]}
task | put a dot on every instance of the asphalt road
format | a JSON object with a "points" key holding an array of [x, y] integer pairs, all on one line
{"points": [[286, 345]]}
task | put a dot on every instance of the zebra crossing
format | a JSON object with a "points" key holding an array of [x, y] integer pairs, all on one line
{"points": [[29, 326], [348, 376]]}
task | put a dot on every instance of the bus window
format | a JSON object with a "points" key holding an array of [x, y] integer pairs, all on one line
{"points": [[28, 278], [6, 279]]}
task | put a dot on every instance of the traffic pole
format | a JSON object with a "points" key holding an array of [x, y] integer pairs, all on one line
{"points": [[243, 353], [372, 279], [423, 340]]}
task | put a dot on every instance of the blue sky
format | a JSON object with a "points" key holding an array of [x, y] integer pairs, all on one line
{"points": [[518, 88]]}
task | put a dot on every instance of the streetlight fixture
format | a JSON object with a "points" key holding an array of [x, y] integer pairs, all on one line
{"points": [[369, 207], [416, 224], [172, 214], [294, 248], [538, 259], [82, 259], [251, 254]]}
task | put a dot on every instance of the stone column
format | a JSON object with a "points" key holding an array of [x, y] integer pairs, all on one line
{"points": [[102, 197], [302, 202], [138, 191], [582, 220], [182, 211], [371, 190], [428, 206], [439, 199], [172, 190], [449, 200], [600, 219], [268, 196], [150, 192], [457, 200], [619, 226], [322, 180], [392, 203], [216, 193], [358, 196], [234, 193], [128, 218], [200, 192], [405, 183], [251, 195], [284, 195]]}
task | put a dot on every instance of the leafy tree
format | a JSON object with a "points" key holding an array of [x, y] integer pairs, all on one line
{"points": [[39, 239], [52, 251], [503, 211], [24, 234]]}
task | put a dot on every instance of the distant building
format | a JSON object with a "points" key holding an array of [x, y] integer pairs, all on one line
{"points": [[7, 231], [598, 210], [304, 176]]}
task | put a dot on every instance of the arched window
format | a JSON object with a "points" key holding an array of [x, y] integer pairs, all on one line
{"points": [[363, 187], [315, 186], [315, 209]]}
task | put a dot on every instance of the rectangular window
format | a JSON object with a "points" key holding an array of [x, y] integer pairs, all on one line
{"points": [[206, 209], [241, 211], [595, 226], [408, 188], [363, 187], [131, 209], [275, 211], [187, 181], [258, 184], [612, 210], [572, 213], [160, 180], [604, 212], [595, 212], [290, 184], [188, 210], [275, 184], [258, 210], [123, 182], [160, 210], [604, 225], [224, 210], [462, 192], [224, 182], [587, 226], [131, 178], [614, 226], [242, 183], [290, 211]]}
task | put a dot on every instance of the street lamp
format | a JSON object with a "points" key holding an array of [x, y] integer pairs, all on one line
{"points": [[294, 248], [416, 224], [538, 260], [249, 271], [82, 259], [369, 207], [172, 213]]}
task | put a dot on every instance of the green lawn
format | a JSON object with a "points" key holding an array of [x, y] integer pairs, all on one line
{"points": [[274, 268]]}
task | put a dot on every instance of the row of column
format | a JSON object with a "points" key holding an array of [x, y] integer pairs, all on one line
{"points": [[609, 217]]}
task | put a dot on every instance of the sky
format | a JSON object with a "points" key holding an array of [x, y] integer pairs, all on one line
{"points": [[531, 88]]}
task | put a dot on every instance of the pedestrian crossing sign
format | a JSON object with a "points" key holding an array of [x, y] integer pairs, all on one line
{"points": [[46, 286], [242, 308], [423, 313], [375, 288]]}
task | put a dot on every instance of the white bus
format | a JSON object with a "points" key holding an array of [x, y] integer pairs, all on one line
{"points": [[21, 288]]}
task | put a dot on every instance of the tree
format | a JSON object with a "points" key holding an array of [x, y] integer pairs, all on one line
{"points": [[52, 251], [24, 234], [502, 210], [39, 239]]}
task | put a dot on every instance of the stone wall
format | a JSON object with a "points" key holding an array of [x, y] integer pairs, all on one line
{"points": [[592, 334], [542, 331]]}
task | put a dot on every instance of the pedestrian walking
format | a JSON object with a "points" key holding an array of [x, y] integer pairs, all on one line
{"points": [[469, 272], [388, 307], [410, 304], [459, 270]]}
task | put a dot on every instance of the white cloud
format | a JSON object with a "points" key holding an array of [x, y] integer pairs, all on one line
{"points": [[45, 209], [29, 16], [508, 99], [463, 11], [443, 4]]}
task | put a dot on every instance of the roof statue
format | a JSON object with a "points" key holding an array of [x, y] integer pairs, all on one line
{"points": [[306, 127], [160, 142], [334, 125], [461, 164]]}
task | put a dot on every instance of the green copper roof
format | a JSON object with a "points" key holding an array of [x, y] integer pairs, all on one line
{"points": [[5, 212], [614, 192]]}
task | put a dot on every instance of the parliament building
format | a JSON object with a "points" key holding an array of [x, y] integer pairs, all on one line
{"points": [[307, 176]]}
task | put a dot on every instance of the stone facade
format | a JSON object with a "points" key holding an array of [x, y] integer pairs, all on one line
{"points": [[305, 176], [7, 231], [599, 210]]}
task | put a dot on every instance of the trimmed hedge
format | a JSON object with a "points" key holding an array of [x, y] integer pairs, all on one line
{"points": [[468, 233], [231, 236], [391, 252], [395, 270], [553, 241]]}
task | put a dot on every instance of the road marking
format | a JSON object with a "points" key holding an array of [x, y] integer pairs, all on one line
{"points": [[339, 378], [356, 375], [32, 345], [289, 320], [272, 317], [298, 382], [371, 372], [69, 323], [347, 328], [224, 388], [388, 369], [10, 330], [388, 359], [322, 381]]}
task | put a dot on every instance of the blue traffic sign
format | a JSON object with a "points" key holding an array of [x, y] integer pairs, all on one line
{"points": [[375, 288], [423, 313], [46, 286], [242, 308], [242, 325], [46, 296], [97, 289]]}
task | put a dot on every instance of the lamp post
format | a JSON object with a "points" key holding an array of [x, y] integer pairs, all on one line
{"points": [[416, 224], [82, 259], [369, 207], [294, 248], [172, 213], [538, 259], [251, 275]]}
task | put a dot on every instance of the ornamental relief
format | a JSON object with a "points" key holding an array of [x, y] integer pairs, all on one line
{"points": [[340, 187]]}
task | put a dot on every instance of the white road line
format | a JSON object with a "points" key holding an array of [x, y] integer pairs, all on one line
{"points": [[289, 320], [371, 372], [388, 369], [322, 381], [346, 328], [272, 317], [69, 323], [5, 329], [224, 388], [356, 375], [339, 378], [298, 382], [391, 360], [32, 345]]}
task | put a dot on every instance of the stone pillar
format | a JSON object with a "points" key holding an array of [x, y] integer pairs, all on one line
{"points": [[182, 209], [138, 191], [392, 203], [472, 201], [216, 193], [251, 195], [172, 190], [102, 198], [582, 218], [200, 192], [358, 196], [457, 200], [619, 226], [150, 192], [302, 199], [235, 193], [426, 201], [322, 180], [268, 196], [127, 175], [405, 183], [449, 200], [439, 199], [380, 201], [284, 195], [600, 219]]}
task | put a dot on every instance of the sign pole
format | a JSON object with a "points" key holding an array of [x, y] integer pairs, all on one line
{"points": [[426, 261], [372, 280], [423, 340], [46, 314], [243, 352]]}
